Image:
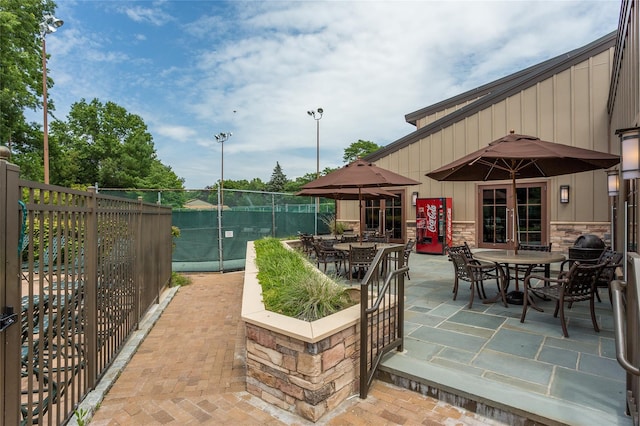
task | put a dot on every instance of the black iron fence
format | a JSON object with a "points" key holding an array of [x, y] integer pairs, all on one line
{"points": [[79, 271]]}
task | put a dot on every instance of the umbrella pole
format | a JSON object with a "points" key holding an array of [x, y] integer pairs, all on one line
{"points": [[360, 211], [516, 222]]}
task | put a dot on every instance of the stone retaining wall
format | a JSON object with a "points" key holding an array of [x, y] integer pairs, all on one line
{"points": [[307, 368], [309, 379]]}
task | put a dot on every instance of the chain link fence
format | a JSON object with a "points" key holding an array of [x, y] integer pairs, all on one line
{"points": [[213, 239]]}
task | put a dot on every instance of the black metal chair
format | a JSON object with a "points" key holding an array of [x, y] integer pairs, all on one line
{"points": [[613, 260], [466, 268], [326, 255], [408, 248], [307, 244], [360, 258], [575, 285]]}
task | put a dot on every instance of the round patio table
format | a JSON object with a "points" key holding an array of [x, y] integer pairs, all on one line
{"points": [[523, 257], [347, 246]]}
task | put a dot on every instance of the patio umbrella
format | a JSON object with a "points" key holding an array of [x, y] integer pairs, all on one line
{"points": [[520, 156], [346, 194], [359, 175]]}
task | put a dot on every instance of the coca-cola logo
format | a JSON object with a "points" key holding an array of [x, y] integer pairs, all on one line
{"points": [[432, 217]]}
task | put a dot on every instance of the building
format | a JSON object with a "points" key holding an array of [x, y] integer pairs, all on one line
{"points": [[564, 100]]}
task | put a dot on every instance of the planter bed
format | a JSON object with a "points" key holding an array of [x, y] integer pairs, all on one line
{"points": [[307, 368]]}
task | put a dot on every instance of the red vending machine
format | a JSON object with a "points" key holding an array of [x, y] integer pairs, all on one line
{"points": [[433, 225]]}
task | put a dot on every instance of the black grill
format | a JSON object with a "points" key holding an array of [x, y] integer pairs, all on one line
{"points": [[587, 247]]}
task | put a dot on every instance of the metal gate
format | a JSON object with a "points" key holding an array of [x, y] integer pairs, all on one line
{"points": [[382, 311]]}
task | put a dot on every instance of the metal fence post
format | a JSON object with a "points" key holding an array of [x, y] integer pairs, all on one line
{"points": [[9, 291], [91, 301]]}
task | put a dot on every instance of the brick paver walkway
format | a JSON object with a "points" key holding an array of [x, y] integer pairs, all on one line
{"points": [[190, 369]]}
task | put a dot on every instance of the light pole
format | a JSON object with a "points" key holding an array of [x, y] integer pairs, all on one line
{"points": [[317, 115], [49, 24], [221, 138]]}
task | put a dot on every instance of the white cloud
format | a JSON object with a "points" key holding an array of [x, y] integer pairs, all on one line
{"points": [[366, 63], [154, 16]]}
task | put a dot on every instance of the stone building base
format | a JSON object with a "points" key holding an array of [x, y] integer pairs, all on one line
{"points": [[562, 234]]}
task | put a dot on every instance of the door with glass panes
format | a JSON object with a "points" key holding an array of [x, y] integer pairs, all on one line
{"points": [[496, 217], [386, 217]]}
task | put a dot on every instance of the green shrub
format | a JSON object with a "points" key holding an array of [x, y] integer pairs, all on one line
{"points": [[179, 279], [335, 227], [292, 287]]}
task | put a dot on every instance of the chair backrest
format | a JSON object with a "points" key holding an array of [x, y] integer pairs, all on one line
{"points": [[349, 238], [408, 248], [379, 239], [51, 251], [327, 244], [25, 243], [362, 255], [460, 258], [467, 250], [307, 242], [410, 244], [317, 248], [535, 247], [581, 280], [613, 260]]}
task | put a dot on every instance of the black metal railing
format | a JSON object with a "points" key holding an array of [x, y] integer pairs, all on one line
{"points": [[381, 312]]}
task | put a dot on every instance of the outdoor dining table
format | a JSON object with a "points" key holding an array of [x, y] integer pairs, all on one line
{"points": [[365, 244], [522, 257]]}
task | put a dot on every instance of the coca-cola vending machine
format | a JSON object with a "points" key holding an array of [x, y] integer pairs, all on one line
{"points": [[433, 225]]}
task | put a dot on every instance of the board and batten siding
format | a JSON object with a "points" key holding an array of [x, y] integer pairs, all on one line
{"points": [[568, 107]]}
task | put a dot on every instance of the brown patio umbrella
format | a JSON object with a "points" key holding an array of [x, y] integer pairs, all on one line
{"points": [[358, 175], [346, 193], [520, 156]]}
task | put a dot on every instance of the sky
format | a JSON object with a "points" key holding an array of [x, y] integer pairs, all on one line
{"points": [[195, 68]]}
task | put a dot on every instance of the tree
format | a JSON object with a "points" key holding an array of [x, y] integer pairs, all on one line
{"points": [[21, 70], [105, 144], [278, 180], [359, 149]]}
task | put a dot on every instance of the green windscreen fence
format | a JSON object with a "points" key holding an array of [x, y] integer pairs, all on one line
{"points": [[244, 216]]}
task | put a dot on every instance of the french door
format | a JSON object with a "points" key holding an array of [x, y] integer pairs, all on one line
{"points": [[498, 221], [385, 216]]}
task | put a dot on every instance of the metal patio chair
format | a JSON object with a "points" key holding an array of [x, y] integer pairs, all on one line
{"points": [[575, 285], [360, 259], [466, 268]]}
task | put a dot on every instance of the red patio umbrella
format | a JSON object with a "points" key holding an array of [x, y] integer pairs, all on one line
{"points": [[520, 156], [360, 174]]}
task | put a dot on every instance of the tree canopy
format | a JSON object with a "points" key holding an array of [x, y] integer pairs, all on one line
{"points": [[105, 144], [359, 149], [278, 180], [21, 64], [99, 142]]}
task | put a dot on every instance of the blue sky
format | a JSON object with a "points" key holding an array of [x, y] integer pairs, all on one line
{"points": [[192, 69]]}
